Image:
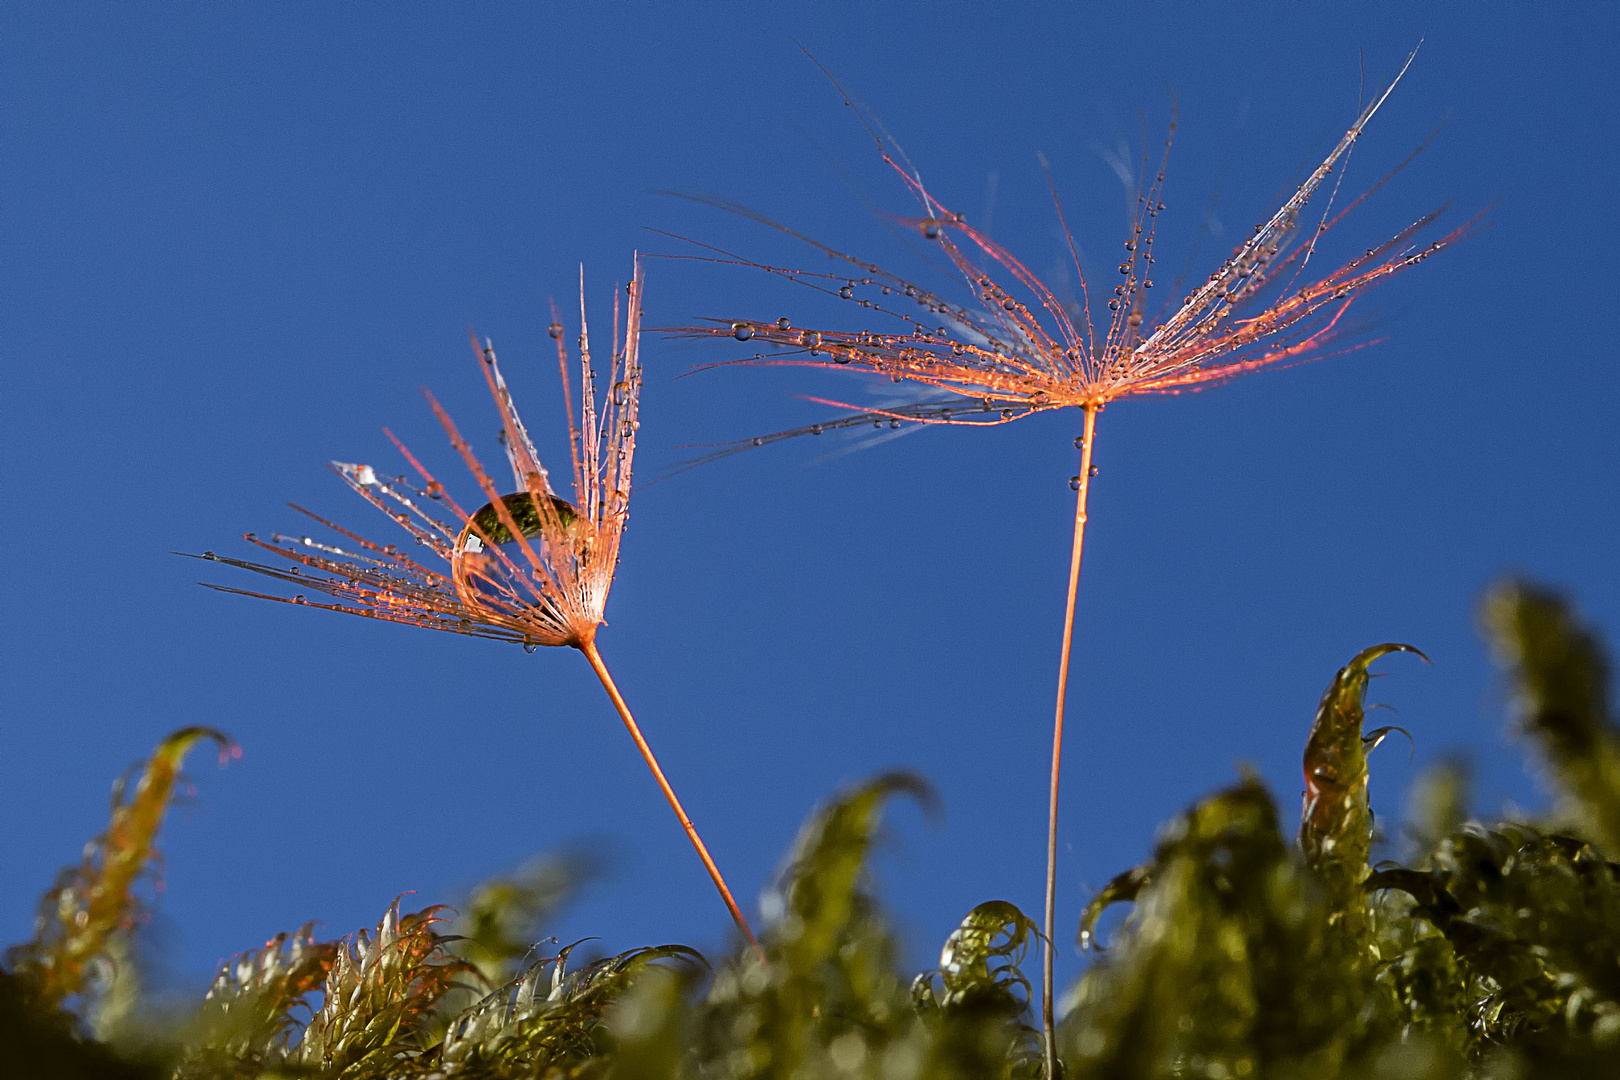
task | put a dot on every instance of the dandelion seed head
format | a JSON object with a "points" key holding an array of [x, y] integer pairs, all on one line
{"points": [[528, 566]]}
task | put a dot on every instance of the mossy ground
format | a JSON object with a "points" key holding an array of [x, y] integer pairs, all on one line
{"points": [[1493, 951]]}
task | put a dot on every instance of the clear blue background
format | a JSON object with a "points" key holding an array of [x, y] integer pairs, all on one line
{"points": [[237, 238]]}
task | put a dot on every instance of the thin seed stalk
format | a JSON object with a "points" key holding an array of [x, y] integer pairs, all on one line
{"points": [[588, 647], [1048, 924]]}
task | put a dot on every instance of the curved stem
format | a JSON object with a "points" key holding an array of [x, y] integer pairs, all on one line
{"points": [[589, 649], [1048, 925]]}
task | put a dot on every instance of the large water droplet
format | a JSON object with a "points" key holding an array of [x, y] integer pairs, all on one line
{"points": [[783, 323], [931, 230], [1074, 483], [555, 330], [846, 292], [552, 528], [741, 331], [1092, 471]]}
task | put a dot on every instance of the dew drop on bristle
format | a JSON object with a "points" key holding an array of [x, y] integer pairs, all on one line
{"points": [[1093, 471], [1006, 414], [1074, 483], [759, 442], [555, 330], [530, 646], [299, 599], [742, 331], [251, 537], [815, 429], [1079, 442], [784, 323], [846, 292], [931, 230], [210, 556]]}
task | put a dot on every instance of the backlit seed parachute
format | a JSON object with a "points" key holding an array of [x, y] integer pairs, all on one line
{"points": [[528, 566], [1019, 350]]}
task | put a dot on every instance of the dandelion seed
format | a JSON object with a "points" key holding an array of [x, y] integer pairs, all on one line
{"points": [[528, 567], [1023, 357]]}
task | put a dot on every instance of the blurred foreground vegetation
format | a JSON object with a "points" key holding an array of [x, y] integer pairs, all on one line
{"points": [[1493, 950]]}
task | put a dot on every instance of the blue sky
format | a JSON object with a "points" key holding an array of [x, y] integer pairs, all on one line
{"points": [[237, 240]]}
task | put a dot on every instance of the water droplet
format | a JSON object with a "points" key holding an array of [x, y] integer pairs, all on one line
{"points": [[836, 359], [759, 442], [846, 292], [741, 331], [815, 429], [1092, 471], [1130, 245], [548, 526], [299, 599], [1124, 267], [783, 323], [1134, 320], [1113, 305], [210, 556], [1006, 414], [530, 646], [894, 424], [1079, 442], [810, 338], [1074, 483], [931, 230], [1010, 304], [555, 330], [251, 538]]}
